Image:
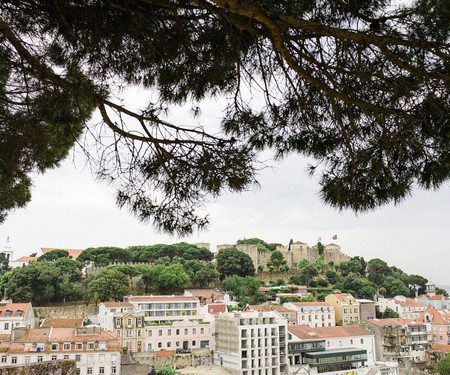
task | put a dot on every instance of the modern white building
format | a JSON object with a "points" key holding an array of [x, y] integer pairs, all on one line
{"points": [[251, 343], [313, 314], [334, 350]]}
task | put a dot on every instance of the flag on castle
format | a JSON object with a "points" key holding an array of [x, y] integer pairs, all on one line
{"points": [[335, 237]]}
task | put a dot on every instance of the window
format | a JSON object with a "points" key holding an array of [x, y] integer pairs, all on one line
{"points": [[113, 370], [159, 345], [193, 343], [27, 359], [6, 326], [102, 345], [139, 322], [79, 346], [149, 333], [102, 358], [8, 313], [118, 323], [362, 341], [169, 344], [4, 358], [129, 332], [55, 346], [139, 332], [177, 332], [66, 356], [202, 331], [185, 331], [101, 370], [90, 358], [169, 332], [194, 331], [89, 371], [351, 341], [66, 346], [129, 323], [40, 358], [13, 360], [113, 358], [345, 311], [78, 358], [90, 346], [78, 371], [118, 334], [54, 357], [159, 332]]}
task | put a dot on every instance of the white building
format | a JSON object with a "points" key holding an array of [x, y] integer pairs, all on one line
{"points": [[313, 314], [15, 315], [251, 343], [95, 351], [406, 308], [334, 350]]}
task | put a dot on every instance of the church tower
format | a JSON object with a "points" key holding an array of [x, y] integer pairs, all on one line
{"points": [[7, 250]]}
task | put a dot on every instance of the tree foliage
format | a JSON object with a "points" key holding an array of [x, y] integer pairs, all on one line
{"points": [[443, 366], [109, 284], [359, 86], [231, 261], [389, 313], [53, 255]]}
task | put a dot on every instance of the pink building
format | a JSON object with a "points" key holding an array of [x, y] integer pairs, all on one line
{"points": [[438, 323], [183, 334], [313, 314]]}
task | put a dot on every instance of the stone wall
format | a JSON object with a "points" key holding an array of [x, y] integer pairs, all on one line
{"points": [[69, 311], [59, 367], [195, 358]]}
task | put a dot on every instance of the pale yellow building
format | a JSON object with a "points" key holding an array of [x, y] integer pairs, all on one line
{"points": [[345, 307]]}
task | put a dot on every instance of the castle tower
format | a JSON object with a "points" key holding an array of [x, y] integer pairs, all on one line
{"points": [[430, 289], [7, 250]]}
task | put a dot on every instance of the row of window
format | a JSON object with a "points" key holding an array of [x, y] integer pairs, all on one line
{"points": [[355, 310], [162, 306], [9, 313], [78, 346]]}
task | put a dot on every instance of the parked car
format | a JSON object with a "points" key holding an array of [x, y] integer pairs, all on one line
{"points": [[182, 351]]}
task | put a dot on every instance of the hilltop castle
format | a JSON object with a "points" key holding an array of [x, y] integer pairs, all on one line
{"points": [[296, 253]]}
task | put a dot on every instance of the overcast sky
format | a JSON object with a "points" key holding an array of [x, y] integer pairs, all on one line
{"points": [[70, 210]]}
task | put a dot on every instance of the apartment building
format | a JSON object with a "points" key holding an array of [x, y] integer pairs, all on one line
{"points": [[398, 340], [438, 324], [329, 350], [313, 314], [346, 308], [407, 308], [182, 334], [159, 309], [251, 343], [367, 309], [15, 315], [95, 351]]}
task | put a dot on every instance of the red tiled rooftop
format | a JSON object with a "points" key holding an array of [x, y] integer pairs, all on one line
{"points": [[394, 321], [205, 293], [409, 302], [441, 348], [304, 332], [13, 307], [342, 296], [26, 259]]}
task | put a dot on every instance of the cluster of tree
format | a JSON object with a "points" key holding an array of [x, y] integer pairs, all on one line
{"points": [[443, 366], [313, 62], [261, 244], [104, 256], [231, 261], [244, 289]]}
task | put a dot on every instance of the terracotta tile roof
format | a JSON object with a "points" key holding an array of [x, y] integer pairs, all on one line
{"points": [[310, 333], [26, 259], [5, 337], [437, 297], [409, 302], [300, 243], [343, 296], [137, 299], [35, 335], [301, 304], [438, 316], [263, 289], [61, 323], [270, 308], [74, 253], [216, 308], [205, 293], [117, 304], [441, 348], [13, 307], [394, 321]]}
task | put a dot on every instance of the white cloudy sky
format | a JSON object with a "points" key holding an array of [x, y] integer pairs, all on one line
{"points": [[70, 210]]}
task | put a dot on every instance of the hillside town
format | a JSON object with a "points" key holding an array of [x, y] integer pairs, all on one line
{"points": [[208, 330]]}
